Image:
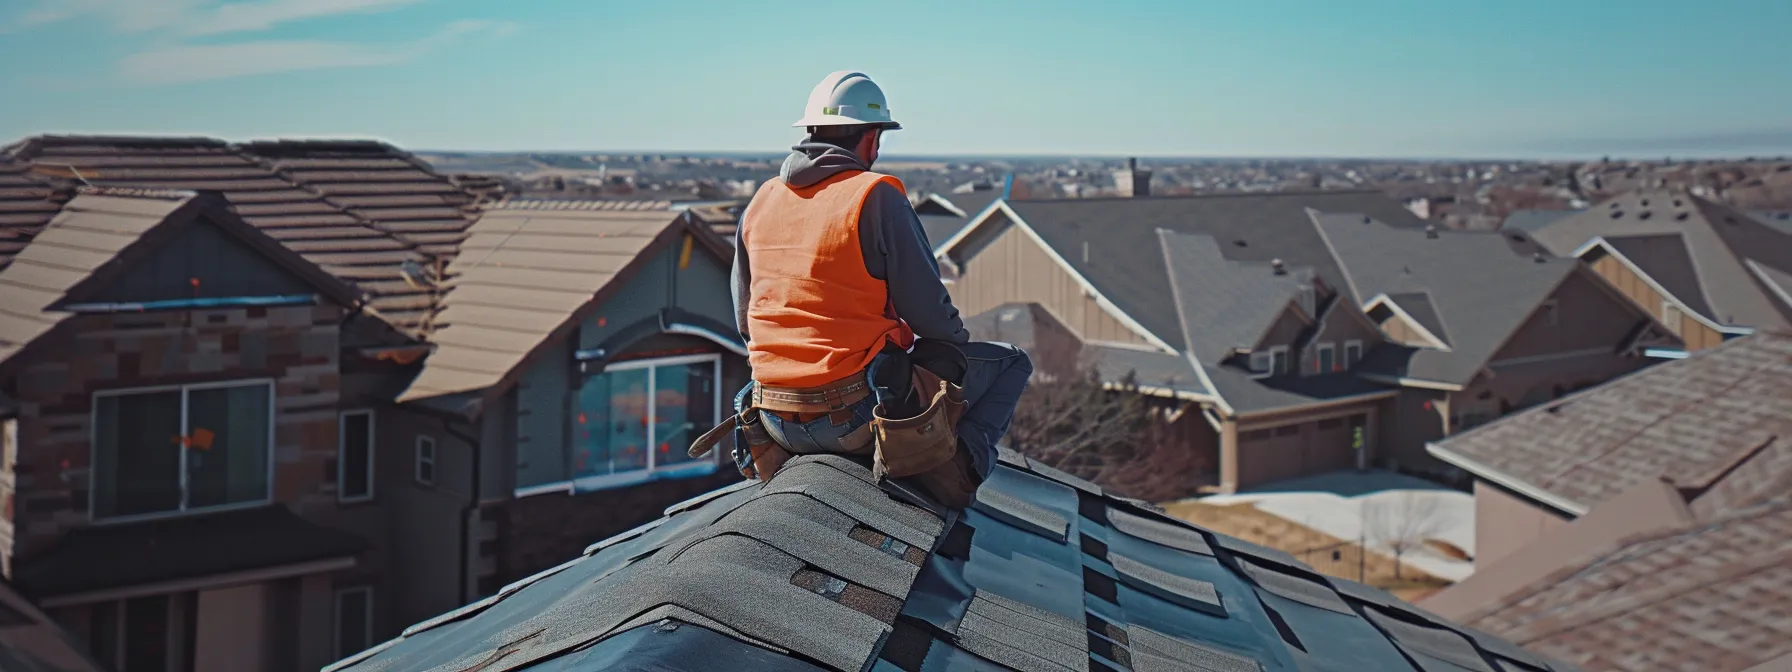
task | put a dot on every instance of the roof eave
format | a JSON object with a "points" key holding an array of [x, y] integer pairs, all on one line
{"points": [[1507, 481]]}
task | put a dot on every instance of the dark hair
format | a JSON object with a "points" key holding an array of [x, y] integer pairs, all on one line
{"points": [[848, 137]]}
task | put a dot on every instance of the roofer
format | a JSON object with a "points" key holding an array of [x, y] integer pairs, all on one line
{"points": [[854, 342]]}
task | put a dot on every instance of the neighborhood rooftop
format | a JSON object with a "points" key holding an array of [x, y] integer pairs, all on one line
{"points": [[820, 569]]}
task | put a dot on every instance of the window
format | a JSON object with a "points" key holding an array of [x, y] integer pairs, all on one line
{"points": [[354, 620], [1353, 353], [1260, 362], [1670, 316], [1549, 313], [152, 633], [182, 448], [1279, 359], [639, 417], [354, 456], [1326, 358], [426, 460]]}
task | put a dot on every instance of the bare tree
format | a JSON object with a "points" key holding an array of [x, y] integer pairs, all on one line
{"points": [[1401, 523], [1110, 434]]}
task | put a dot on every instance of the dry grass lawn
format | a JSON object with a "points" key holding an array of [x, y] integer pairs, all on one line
{"points": [[1335, 557]]}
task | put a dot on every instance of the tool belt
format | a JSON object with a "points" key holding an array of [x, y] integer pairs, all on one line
{"points": [[923, 447]]}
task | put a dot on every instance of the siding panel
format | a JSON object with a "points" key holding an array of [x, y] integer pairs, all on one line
{"points": [[1013, 269]]}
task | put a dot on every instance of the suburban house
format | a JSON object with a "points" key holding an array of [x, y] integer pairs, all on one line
{"points": [[273, 401], [581, 350], [1641, 524], [1481, 324], [1708, 271], [1276, 318], [943, 215]]}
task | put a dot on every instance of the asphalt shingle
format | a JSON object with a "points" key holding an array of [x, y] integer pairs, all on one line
{"points": [[977, 593]]}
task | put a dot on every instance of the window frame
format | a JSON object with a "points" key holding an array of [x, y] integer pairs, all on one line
{"points": [[418, 461], [1267, 361], [1349, 360], [185, 389], [1287, 362], [341, 447], [1319, 352], [632, 476], [336, 618]]}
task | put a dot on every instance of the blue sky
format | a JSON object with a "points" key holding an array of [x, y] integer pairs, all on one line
{"points": [[1183, 78]]}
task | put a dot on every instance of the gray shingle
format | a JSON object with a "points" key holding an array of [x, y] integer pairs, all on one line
{"points": [[1224, 305]]}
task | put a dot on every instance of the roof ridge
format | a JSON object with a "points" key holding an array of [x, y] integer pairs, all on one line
{"points": [[137, 192]]}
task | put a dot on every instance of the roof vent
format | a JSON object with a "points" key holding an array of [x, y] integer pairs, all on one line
{"points": [[1430, 230], [1617, 214], [1676, 202], [1366, 219], [1278, 266], [1614, 205], [1645, 202], [1643, 215], [1517, 237], [1240, 242], [1680, 217]]}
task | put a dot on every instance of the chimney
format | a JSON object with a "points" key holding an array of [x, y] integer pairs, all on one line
{"points": [[1279, 268], [1430, 230], [1133, 181]]}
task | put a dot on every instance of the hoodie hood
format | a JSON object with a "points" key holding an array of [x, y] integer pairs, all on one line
{"points": [[812, 162]]}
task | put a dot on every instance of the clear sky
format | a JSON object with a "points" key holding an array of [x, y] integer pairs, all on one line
{"points": [[1430, 78]]}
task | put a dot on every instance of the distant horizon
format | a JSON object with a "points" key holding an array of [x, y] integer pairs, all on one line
{"points": [[1402, 80]]}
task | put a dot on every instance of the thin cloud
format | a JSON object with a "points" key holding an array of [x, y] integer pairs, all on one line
{"points": [[193, 17], [255, 16], [195, 63]]}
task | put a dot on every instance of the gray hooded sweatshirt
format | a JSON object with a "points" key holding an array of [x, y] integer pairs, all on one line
{"points": [[895, 248]]}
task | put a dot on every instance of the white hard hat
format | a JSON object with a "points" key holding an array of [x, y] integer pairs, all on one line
{"points": [[847, 98]]}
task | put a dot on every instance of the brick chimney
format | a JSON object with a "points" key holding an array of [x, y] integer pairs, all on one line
{"points": [[1133, 181]]}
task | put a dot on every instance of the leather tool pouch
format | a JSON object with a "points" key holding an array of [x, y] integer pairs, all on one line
{"points": [[924, 448], [755, 454]]}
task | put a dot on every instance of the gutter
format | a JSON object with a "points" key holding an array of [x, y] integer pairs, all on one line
{"points": [[472, 506], [1508, 481], [171, 304]]}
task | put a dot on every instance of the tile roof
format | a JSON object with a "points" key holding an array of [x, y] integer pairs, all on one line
{"points": [[29, 640], [26, 205], [821, 569], [582, 205], [87, 558], [521, 275], [1716, 238], [1479, 288], [82, 237], [1125, 260], [359, 209], [1709, 596], [1692, 421]]}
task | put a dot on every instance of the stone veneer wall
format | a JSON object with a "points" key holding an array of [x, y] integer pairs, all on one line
{"points": [[296, 346]]}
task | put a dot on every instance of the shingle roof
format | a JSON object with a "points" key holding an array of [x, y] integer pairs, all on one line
{"points": [[521, 274], [820, 569], [1716, 237], [1481, 287], [1778, 219], [1709, 596], [1246, 394], [1125, 261], [318, 198], [1665, 258], [1420, 307], [1224, 305], [1690, 420], [1531, 220], [86, 234]]}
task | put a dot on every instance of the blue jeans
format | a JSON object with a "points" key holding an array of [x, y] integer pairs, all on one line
{"points": [[995, 376]]}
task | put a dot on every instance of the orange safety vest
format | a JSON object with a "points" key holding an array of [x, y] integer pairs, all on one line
{"points": [[816, 315]]}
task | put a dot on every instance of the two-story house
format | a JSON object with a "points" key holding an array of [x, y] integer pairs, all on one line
{"points": [[1248, 309], [1708, 271], [424, 408]]}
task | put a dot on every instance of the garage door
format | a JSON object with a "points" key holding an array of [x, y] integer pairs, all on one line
{"points": [[1331, 444]]}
